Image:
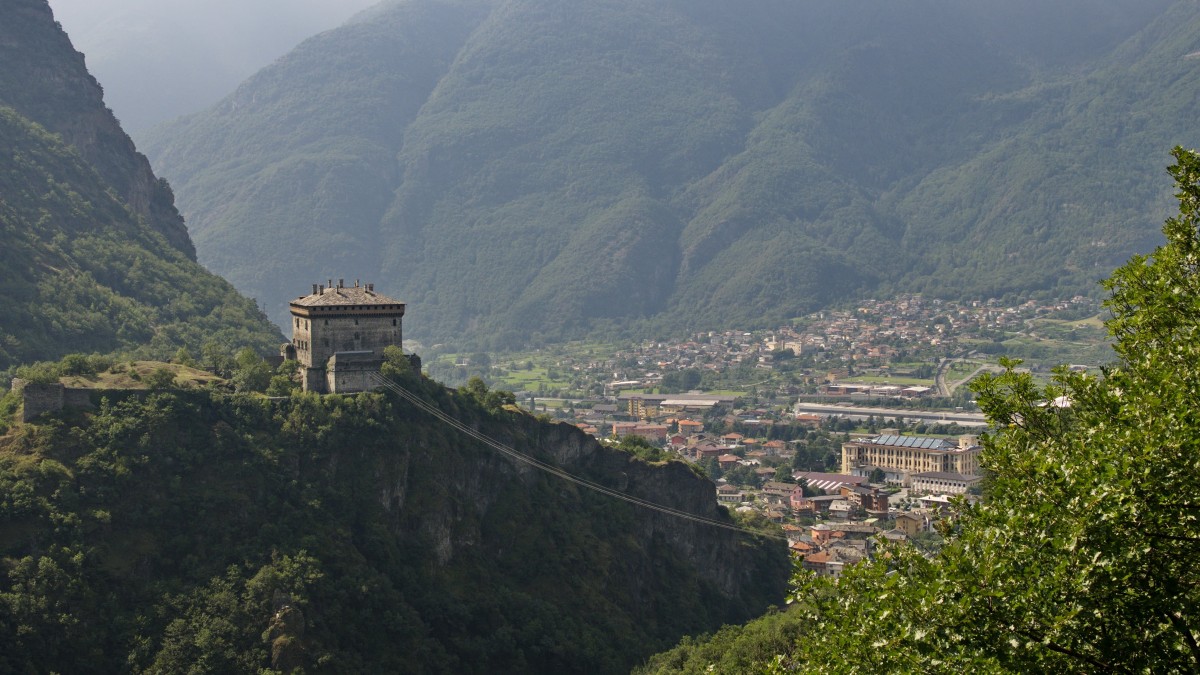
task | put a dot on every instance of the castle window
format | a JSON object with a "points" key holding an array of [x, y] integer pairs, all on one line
{"points": [[326, 322], [393, 322], [356, 336], [356, 322]]}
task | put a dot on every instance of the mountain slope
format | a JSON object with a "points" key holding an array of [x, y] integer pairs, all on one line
{"points": [[95, 256], [523, 169], [44, 79], [80, 272], [351, 534]]}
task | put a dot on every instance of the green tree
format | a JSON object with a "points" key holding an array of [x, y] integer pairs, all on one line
{"points": [[741, 474], [161, 378], [184, 357], [251, 372], [216, 358], [681, 380], [640, 447], [285, 380], [395, 363]]}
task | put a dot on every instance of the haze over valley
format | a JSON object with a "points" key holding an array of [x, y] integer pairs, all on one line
{"points": [[159, 59]]}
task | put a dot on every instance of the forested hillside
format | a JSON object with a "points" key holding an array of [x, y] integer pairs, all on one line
{"points": [[194, 531], [95, 257], [521, 170]]}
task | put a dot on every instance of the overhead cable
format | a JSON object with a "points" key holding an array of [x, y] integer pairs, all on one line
{"points": [[423, 405]]}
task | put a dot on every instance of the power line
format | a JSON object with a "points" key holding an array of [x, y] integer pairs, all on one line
{"points": [[421, 404]]}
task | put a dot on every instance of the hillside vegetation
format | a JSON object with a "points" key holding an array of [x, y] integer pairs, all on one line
{"points": [[524, 170], [95, 257], [214, 533]]}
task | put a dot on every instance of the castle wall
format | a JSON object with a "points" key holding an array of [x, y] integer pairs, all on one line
{"points": [[352, 373], [313, 379], [329, 335], [38, 399]]}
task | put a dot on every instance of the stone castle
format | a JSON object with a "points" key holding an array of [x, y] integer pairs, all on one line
{"points": [[339, 333]]}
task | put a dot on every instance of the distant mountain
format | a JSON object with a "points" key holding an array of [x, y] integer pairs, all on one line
{"points": [[159, 60], [522, 170], [95, 256]]}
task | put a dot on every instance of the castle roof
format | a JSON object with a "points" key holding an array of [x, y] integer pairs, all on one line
{"points": [[345, 297]]}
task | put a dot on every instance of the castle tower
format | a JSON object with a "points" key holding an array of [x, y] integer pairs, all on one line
{"points": [[339, 333]]}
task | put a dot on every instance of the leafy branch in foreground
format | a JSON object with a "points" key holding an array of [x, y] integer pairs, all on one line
{"points": [[1084, 555]]}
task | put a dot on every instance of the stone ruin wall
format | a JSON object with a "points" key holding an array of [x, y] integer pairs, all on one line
{"points": [[38, 399]]}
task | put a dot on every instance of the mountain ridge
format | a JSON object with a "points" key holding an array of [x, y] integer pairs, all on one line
{"points": [[651, 167]]}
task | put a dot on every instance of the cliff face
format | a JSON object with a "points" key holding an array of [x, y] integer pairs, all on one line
{"points": [[473, 489], [46, 81], [355, 534]]}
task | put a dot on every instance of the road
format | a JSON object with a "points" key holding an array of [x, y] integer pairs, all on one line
{"points": [[948, 390]]}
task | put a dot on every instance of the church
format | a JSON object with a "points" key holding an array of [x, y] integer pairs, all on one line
{"points": [[339, 333]]}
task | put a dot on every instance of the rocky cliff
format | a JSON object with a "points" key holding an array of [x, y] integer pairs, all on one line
{"points": [[46, 81]]}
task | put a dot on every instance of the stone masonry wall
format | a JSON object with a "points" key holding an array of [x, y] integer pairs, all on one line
{"points": [[38, 399], [350, 334]]}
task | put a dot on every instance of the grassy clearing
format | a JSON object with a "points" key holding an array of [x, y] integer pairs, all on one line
{"points": [[133, 374], [961, 369]]}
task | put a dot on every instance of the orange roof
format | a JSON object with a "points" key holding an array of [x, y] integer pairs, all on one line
{"points": [[818, 557]]}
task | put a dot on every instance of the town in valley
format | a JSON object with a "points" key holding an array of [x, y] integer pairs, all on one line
{"points": [[846, 427]]}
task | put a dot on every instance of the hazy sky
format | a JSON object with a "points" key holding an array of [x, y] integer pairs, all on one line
{"points": [[158, 59]]}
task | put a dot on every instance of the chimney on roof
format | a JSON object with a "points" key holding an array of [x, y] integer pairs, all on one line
{"points": [[341, 283], [314, 289], [371, 288], [322, 291], [356, 283]]}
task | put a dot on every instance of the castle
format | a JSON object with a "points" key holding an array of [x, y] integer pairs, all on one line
{"points": [[338, 336]]}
